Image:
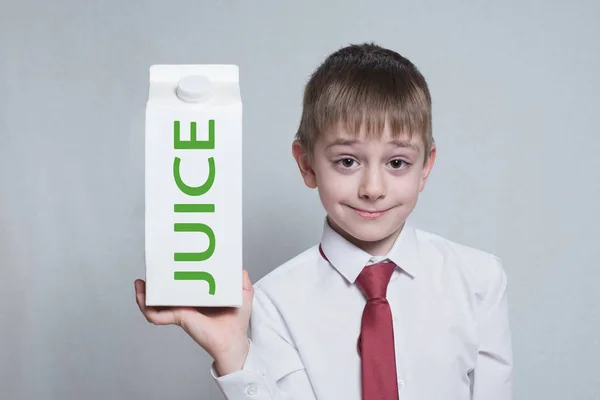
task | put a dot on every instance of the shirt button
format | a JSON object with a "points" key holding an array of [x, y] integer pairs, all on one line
{"points": [[400, 383], [251, 389]]}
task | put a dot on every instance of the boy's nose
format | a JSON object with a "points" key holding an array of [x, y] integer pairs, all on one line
{"points": [[372, 185]]}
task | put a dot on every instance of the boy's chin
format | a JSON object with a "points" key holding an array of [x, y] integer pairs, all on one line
{"points": [[368, 231], [370, 235]]}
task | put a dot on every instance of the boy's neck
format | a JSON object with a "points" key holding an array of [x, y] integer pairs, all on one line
{"points": [[376, 248]]}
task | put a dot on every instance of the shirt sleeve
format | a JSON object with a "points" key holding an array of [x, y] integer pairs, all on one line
{"points": [[493, 371], [273, 369]]}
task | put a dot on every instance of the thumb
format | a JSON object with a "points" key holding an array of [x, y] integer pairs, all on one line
{"points": [[247, 289]]}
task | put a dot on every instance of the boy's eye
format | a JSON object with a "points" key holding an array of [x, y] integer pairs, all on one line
{"points": [[397, 164], [346, 162]]}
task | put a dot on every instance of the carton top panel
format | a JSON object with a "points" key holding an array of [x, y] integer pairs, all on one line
{"points": [[193, 86], [214, 72]]}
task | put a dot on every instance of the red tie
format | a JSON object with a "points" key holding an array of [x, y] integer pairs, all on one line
{"points": [[376, 340]]}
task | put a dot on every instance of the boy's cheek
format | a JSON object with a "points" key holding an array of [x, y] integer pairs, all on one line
{"points": [[327, 195], [337, 188]]}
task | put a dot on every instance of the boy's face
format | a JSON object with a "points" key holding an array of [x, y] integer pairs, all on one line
{"points": [[368, 187]]}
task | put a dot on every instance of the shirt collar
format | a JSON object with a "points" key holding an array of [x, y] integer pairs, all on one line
{"points": [[350, 260]]}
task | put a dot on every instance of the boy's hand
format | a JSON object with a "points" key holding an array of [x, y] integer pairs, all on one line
{"points": [[221, 331]]}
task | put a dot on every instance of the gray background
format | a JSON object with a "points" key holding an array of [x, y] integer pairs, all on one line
{"points": [[515, 88]]}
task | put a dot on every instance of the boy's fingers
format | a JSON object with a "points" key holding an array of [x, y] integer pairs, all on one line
{"points": [[248, 293], [164, 317], [140, 286], [140, 294], [157, 317], [153, 315], [246, 283]]}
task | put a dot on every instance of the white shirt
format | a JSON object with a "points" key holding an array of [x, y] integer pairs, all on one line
{"points": [[451, 328]]}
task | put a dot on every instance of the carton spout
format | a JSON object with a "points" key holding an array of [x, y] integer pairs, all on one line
{"points": [[194, 88]]}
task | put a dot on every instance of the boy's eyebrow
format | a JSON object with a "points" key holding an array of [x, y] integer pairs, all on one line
{"points": [[342, 142], [395, 142], [404, 143]]}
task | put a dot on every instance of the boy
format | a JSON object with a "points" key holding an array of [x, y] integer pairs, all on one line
{"points": [[379, 309]]}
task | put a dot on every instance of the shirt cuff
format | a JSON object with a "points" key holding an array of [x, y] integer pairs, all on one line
{"points": [[248, 383]]}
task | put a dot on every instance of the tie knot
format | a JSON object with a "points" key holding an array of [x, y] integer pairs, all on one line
{"points": [[374, 279]]}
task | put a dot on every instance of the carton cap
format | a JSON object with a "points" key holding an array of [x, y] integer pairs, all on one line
{"points": [[194, 88]]}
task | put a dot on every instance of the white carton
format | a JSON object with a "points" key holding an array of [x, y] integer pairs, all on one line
{"points": [[193, 186]]}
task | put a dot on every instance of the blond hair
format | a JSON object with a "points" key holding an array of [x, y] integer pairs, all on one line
{"points": [[363, 87]]}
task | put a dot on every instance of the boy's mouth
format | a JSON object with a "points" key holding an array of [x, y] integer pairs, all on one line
{"points": [[369, 214]]}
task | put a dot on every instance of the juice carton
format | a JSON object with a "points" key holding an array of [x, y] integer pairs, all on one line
{"points": [[193, 186]]}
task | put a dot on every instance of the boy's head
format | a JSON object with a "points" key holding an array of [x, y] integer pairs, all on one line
{"points": [[365, 140]]}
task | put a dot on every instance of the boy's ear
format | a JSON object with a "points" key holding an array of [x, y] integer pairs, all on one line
{"points": [[306, 170], [427, 167]]}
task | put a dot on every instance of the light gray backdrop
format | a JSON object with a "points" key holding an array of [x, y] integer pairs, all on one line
{"points": [[515, 91]]}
